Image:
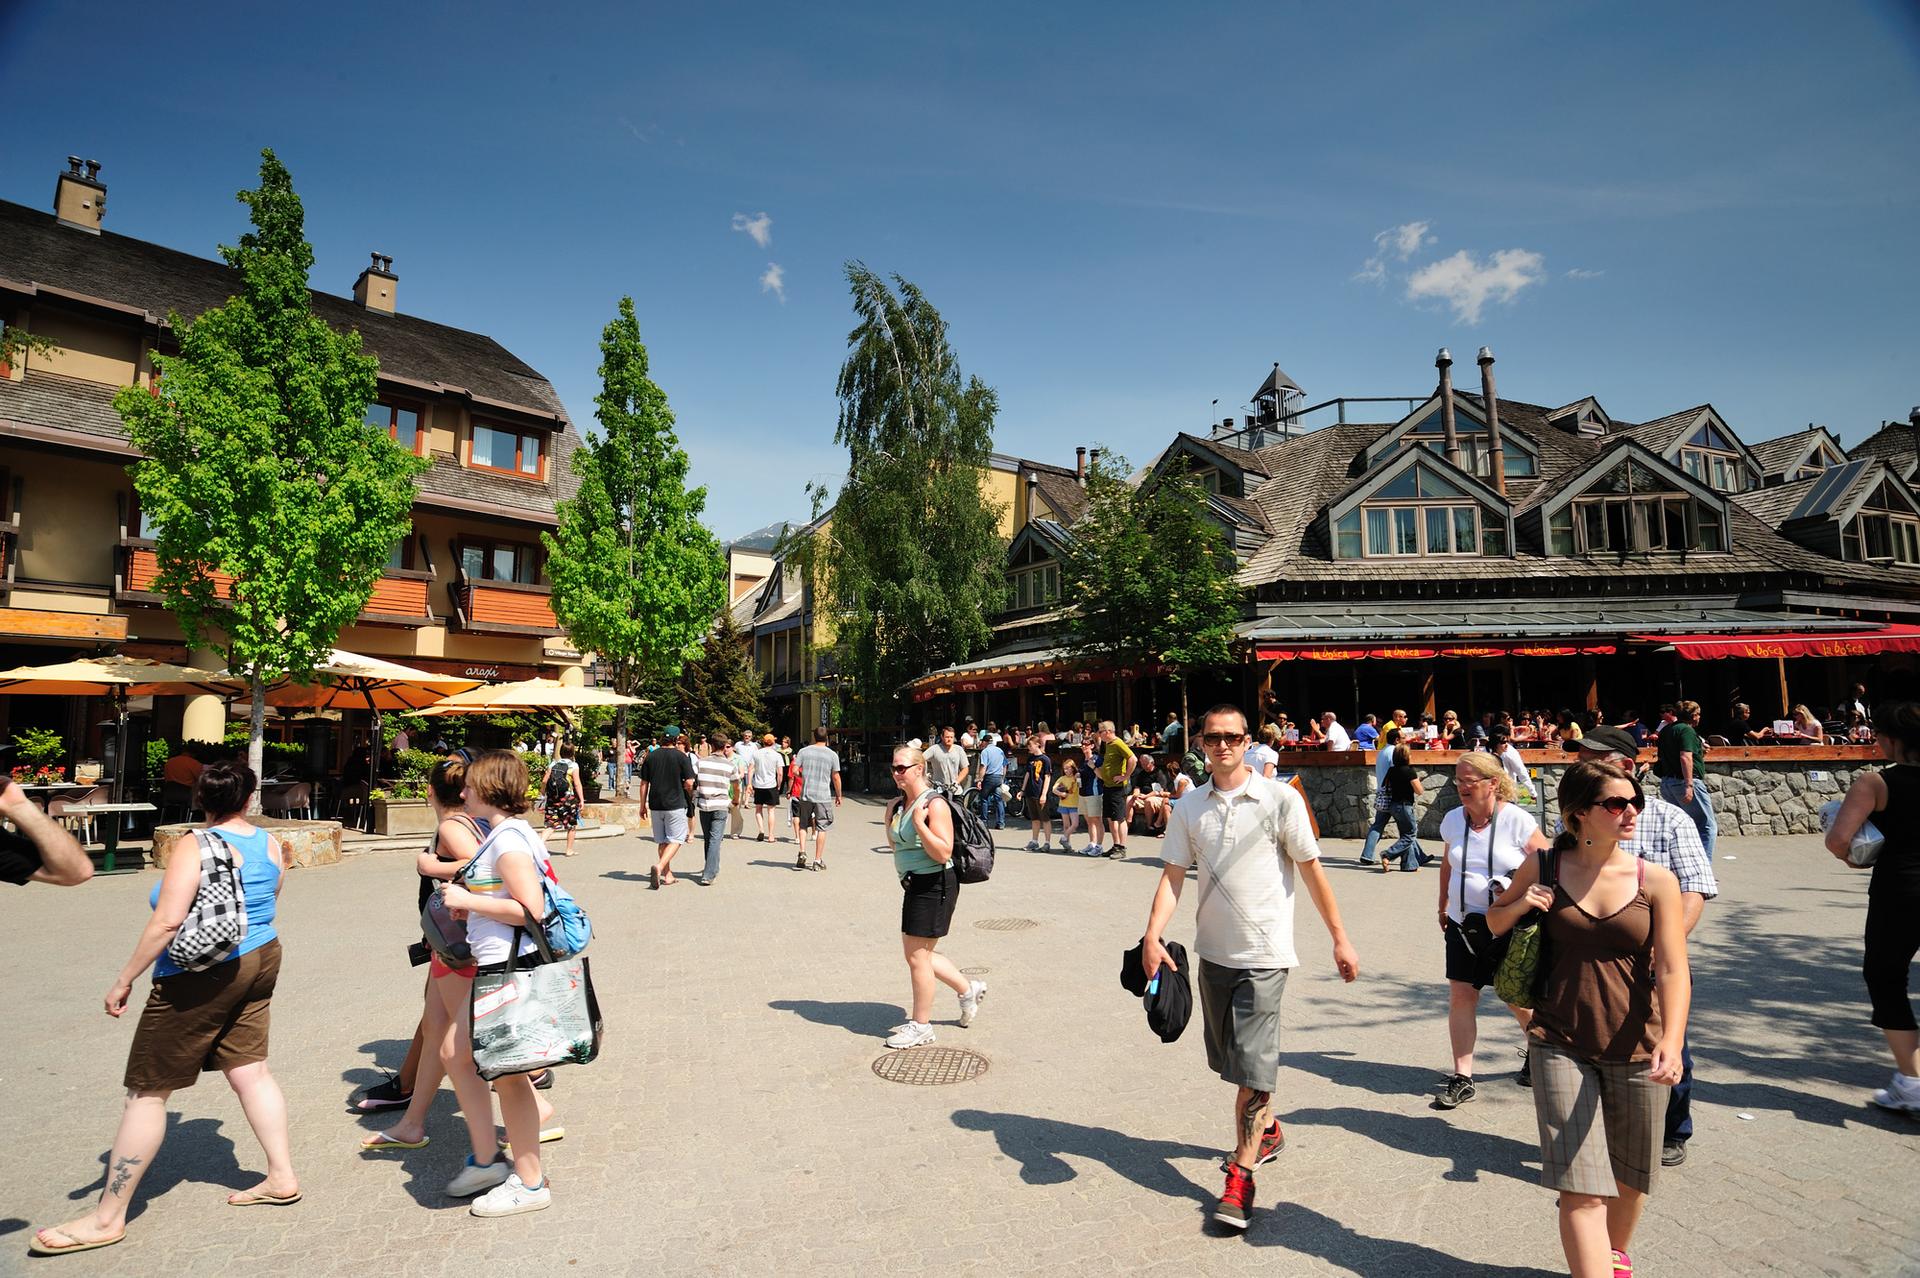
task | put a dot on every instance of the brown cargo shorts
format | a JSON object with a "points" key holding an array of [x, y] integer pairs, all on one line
{"points": [[199, 1021]]}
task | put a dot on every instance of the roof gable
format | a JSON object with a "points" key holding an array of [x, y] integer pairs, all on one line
{"points": [[1441, 479], [1425, 421], [1781, 457], [1667, 435], [1042, 537], [1631, 451]]}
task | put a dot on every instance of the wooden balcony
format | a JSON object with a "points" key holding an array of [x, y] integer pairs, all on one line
{"points": [[399, 598], [140, 568], [503, 608]]}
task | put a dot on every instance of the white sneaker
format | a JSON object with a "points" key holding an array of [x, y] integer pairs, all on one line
{"points": [[912, 1034], [511, 1197], [473, 1178], [1092, 849], [1901, 1094], [970, 1003]]}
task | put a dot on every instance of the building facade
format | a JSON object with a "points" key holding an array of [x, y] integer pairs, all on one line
{"points": [[465, 591]]}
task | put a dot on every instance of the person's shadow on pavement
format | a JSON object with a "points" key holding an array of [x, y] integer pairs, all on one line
{"points": [[194, 1150], [870, 1020], [1040, 1143], [1307, 1231], [1472, 1152]]}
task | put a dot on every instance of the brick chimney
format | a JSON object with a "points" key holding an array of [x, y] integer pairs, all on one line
{"points": [[1080, 463], [1444, 362], [80, 197], [377, 285], [1497, 455]]}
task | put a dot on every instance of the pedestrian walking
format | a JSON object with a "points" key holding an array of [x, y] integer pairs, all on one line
{"points": [[562, 794], [765, 779], [947, 764], [1487, 838], [37, 850], [921, 832], [1036, 788], [216, 1017], [1251, 838], [1667, 837], [1116, 761], [499, 896], [1890, 798], [714, 775], [667, 781], [1382, 808], [993, 779], [1611, 1015], [818, 766], [1403, 788], [1682, 769]]}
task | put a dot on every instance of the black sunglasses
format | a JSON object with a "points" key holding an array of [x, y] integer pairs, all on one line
{"points": [[904, 767], [1222, 738], [1617, 805]]}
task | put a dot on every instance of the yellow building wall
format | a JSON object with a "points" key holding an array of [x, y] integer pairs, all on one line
{"points": [[87, 349], [69, 515], [1004, 490]]}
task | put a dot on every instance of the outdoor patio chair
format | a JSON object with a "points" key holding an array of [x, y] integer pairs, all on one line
{"points": [[81, 823], [351, 807], [290, 801]]}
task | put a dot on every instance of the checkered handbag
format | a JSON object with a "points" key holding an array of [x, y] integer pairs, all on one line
{"points": [[216, 922]]}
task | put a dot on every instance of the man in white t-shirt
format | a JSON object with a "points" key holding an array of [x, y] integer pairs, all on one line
{"points": [[764, 776], [1250, 837], [1337, 738]]}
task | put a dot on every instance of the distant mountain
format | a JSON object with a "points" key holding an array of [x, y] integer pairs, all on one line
{"points": [[760, 538]]}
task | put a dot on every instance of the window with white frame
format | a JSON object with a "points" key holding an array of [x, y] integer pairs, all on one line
{"points": [[1419, 513], [1713, 459], [1476, 446], [1034, 585], [1884, 529], [1632, 510]]}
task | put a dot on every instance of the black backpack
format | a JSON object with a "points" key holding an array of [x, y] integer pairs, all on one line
{"points": [[559, 782], [972, 845]]}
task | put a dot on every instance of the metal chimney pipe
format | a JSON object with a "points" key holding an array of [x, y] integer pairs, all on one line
{"points": [[1080, 463], [1444, 362], [1033, 489], [1497, 455]]}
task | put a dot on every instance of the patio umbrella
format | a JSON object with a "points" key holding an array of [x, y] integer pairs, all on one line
{"points": [[117, 678], [349, 681], [530, 695]]}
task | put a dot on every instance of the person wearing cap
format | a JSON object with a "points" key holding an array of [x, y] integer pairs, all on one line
{"points": [[1251, 839], [1666, 836]]}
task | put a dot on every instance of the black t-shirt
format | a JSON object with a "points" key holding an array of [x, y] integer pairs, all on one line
{"points": [[1038, 772], [1400, 783], [1897, 871], [19, 858], [666, 772], [1142, 781]]}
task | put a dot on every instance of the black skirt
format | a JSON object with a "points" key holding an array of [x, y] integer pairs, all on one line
{"points": [[927, 901]]}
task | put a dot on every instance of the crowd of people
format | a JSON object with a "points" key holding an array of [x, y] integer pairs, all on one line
{"points": [[1616, 891]]}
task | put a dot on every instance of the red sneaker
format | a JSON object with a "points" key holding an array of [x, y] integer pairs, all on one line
{"points": [[1236, 1200], [1272, 1141]]}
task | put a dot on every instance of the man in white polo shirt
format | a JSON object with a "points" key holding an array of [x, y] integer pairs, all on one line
{"points": [[1251, 837]]}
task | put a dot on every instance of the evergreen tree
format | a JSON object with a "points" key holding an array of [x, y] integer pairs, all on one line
{"points": [[719, 691], [636, 577], [277, 505], [913, 563]]}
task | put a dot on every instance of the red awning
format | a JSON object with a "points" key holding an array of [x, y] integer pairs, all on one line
{"points": [[1383, 652], [1860, 643]]}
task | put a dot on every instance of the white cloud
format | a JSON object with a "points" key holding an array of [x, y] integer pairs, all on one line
{"points": [[760, 227], [1467, 284], [1396, 243], [774, 281], [1581, 273]]}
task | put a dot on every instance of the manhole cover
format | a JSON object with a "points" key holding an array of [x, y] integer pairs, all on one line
{"points": [[1007, 925], [930, 1066], [975, 971]]}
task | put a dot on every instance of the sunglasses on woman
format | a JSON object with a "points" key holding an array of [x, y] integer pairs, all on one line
{"points": [[898, 768], [1617, 805]]}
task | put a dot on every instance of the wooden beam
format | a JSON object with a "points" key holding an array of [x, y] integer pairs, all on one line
{"points": [[81, 627]]}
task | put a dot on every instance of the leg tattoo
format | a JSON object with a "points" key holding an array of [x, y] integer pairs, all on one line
{"points": [[1250, 1116], [122, 1172]]}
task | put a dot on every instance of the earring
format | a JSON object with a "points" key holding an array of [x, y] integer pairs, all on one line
{"points": [[1587, 842]]}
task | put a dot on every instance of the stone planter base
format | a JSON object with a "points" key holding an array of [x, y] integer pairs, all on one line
{"points": [[627, 813], [305, 843], [402, 816]]}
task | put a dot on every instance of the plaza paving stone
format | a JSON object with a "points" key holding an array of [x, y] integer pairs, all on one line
{"points": [[733, 1124]]}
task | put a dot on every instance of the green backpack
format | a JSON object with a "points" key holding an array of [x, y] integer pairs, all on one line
{"points": [[1523, 972]]}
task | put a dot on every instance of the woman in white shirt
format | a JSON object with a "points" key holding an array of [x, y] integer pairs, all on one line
{"points": [[503, 888], [1488, 837]]}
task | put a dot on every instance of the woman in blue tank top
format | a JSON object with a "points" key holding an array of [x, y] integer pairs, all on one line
{"points": [[197, 1021]]}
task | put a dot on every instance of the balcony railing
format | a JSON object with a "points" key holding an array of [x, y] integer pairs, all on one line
{"points": [[399, 598], [140, 569], [503, 607]]}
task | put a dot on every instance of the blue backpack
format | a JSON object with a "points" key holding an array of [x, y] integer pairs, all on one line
{"points": [[566, 924]]}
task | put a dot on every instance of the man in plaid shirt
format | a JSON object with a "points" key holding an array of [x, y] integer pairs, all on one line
{"points": [[1666, 835]]}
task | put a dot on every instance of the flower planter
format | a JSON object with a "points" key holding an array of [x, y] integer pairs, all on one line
{"points": [[402, 816]]}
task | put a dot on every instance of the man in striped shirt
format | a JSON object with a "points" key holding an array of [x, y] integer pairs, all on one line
{"points": [[713, 779]]}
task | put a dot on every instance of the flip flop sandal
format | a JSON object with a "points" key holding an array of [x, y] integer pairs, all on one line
{"points": [[38, 1248], [1622, 1264], [265, 1200], [380, 1142], [546, 1134]]}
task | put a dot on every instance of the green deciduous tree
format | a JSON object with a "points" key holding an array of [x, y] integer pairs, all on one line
{"points": [[1148, 576], [277, 505], [913, 564], [719, 691], [636, 577]]}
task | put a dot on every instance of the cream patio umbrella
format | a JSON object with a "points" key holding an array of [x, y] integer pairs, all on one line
{"points": [[350, 681], [530, 695], [118, 679]]}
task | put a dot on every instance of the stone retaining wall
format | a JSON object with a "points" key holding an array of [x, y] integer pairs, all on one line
{"points": [[1753, 791], [304, 843]]}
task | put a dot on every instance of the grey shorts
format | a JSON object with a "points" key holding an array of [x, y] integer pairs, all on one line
{"points": [[813, 814], [669, 825], [1600, 1122], [1241, 1011]]}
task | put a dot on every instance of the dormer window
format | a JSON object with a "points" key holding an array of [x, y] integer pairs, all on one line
{"points": [[1885, 529], [1209, 480], [1476, 446], [1634, 510], [1419, 512], [1714, 460], [401, 423], [515, 452]]}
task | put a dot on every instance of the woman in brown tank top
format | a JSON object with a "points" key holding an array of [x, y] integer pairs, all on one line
{"points": [[1609, 1016]]}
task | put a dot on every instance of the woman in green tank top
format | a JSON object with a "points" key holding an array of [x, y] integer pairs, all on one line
{"points": [[920, 830]]}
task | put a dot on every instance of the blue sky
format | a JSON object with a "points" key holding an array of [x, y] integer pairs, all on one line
{"points": [[1124, 211]]}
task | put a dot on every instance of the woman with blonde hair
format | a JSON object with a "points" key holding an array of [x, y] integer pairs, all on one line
{"points": [[1487, 838], [1809, 728], [921, 832]]}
